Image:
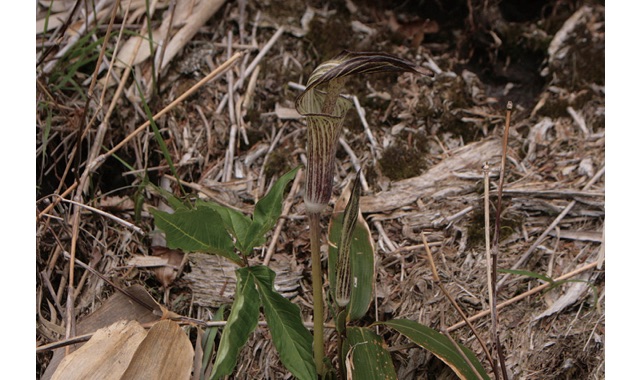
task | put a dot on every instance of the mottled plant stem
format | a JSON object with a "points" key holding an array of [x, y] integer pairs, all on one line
{"points": [[318, 300]]}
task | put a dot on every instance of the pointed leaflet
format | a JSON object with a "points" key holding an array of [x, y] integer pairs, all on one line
{"points": [[267, 212], [200, 229], [292, 340], [235, 222], [365, 356], [242, 320], [439, 345], [249, 232]]}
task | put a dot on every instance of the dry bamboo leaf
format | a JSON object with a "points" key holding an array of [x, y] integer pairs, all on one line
{"points": [[106, 355], [578, 235], [189, 23], [165, 353], [129, 49], [285, 113], [140, 261], [56, 5], [201, 14]]}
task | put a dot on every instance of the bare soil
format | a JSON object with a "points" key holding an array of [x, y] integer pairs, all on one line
{"points": [[544, 56]]}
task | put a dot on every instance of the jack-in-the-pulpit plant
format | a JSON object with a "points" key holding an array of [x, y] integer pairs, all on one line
{"points": [[325, 110]]}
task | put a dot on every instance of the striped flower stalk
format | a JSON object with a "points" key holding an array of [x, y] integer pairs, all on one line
{"points": [[325, 110]]}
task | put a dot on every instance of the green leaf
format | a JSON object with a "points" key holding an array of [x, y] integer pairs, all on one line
{"points": [[365, 356], [527, 273], [439, 345], [266, 213], [292, 340], [174, 202], [242, 320], [362, 264], [200, 229], [235, 222]]}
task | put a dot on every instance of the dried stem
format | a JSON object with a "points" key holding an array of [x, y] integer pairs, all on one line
{"points": [[490, 280], [495, 247]]}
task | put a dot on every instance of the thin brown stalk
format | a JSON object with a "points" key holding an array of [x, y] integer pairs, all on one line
{"points": [[228, 159], [107, 215], [436, 279], [495, 248], [56, 200], [459, 349], [490, 280]]}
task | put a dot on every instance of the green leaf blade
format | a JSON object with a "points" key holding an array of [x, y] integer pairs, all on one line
{"points": [[371, 361], [292, 340], [266, 213], [200, 229], [243, 319], [235, 222], [439, 345]]}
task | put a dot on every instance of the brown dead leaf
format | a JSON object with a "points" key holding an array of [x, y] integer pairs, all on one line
{"points": [[166, 353], [118, 307], [106, 355]]}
